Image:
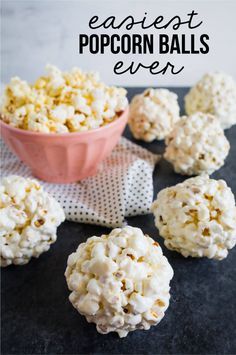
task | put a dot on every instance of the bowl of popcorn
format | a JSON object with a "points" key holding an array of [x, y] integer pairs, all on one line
{"points": [[64, 124]]}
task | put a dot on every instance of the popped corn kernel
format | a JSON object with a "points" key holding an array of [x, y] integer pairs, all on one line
{"points": [[153, 114], [61, 98], [120, 281], [29, 218], [38, 122], [197, 217], [214, 93], [61, 113], [197, 145]]}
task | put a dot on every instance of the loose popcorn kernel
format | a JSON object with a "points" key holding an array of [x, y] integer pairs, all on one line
{"points": [[197, 145], [215, 93], [29, 218], [153, 114], [61, 102], [186, 221], [116, 280]]}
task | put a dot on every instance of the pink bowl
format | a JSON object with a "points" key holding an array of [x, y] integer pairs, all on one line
{"points": [[66, 157]]}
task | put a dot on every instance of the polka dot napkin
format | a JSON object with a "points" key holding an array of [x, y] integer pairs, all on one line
{"points": [[122, 187]]}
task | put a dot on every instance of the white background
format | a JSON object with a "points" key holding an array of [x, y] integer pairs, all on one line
{"points": [[38, 32]]}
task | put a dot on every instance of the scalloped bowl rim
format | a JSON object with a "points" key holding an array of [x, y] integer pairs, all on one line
{"points": [[66, 134]]}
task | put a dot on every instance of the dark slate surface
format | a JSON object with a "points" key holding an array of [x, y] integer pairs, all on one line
{"points": [[37, 317]]}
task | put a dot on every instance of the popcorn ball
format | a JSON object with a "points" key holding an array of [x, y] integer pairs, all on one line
{"points": [[197, 217], [215, 93], [197, 145], [61, 102], [153, 114], [120, 281], [29, 218]]}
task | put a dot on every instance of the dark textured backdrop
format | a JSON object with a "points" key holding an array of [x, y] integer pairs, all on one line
{"points": [[37, 317]]}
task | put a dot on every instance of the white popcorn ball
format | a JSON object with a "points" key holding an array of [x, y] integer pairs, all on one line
{"points": [[153, 114], [197, 145], [197, 217], [215, 93], [120, 281], [29, 218]]}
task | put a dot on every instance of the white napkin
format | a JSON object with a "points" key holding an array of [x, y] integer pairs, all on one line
{"points": [[122, 187]]}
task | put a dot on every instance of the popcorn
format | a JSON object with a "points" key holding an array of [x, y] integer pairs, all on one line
{"points": [[197, 217], [153, 114], [29, 218], [76, 123], [54, 103], [61, 113], [197, 145], [81, 105], [120, 281], [38, 123], [215, 93]]}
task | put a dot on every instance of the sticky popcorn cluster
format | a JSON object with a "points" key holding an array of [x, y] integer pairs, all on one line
{"points": [[197, 217], [153, 114], [120, 281], [29, 218], [197, 145], [215, 93], [61, 102]]}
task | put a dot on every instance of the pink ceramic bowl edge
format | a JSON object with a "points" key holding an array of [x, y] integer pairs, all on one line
{"points": [[66, 157]]}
